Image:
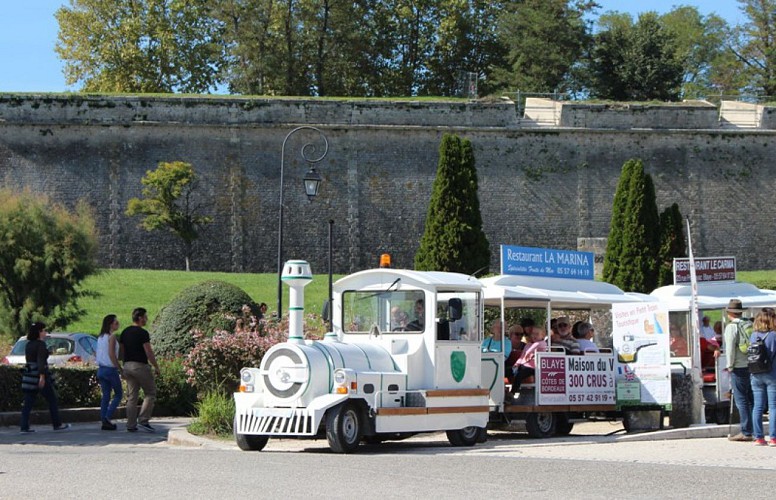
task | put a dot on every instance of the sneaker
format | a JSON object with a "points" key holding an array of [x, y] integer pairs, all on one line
{"points": [[740, 438], [107, 425], [146, 427], [760, 442], [772, 442], [62, 427], [27, 431], [131, 429]]}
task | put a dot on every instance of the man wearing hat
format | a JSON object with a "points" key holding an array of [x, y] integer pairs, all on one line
{"points": [[738, 368]]}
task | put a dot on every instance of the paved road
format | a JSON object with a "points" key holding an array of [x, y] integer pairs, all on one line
{"points": [[87, 463]]}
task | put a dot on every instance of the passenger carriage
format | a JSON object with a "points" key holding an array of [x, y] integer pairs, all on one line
{"points": [[585, 384], [713, 297]]}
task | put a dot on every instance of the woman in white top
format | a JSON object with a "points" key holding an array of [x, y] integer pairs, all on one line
{"points": [[108, 371]]}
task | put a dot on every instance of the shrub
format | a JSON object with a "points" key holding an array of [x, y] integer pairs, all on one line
{"points": [[207, 307], [46, 252], [453, 239], [215, 415], [174, 395], [214, 364], [672, 243]]}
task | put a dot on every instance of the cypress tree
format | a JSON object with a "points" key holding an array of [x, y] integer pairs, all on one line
{"points": [[453, 239], [640, 235], [673, 244], [614, 242]]}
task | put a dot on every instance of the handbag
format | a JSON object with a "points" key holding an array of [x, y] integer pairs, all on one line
{"points": [[30, 377]]}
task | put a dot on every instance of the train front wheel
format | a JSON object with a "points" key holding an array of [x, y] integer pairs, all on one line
{"points": [[249, 442], [343, 428]]}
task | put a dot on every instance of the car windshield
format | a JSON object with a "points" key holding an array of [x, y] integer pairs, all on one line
{"points": [[56, 345]]}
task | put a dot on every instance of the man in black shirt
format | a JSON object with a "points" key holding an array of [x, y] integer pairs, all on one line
{"points": [[136, 352]]}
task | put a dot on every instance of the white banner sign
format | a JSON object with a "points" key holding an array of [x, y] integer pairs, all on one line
{"points": [[641, 342]]}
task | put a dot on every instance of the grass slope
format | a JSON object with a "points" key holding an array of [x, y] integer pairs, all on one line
{"points": [[121, 290]]}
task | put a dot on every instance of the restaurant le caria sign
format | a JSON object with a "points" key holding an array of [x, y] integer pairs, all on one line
{"points": [[707, 269]]}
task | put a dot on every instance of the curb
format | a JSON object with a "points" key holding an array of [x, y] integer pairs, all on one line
{"points": [[180, 436], [692, 432]]}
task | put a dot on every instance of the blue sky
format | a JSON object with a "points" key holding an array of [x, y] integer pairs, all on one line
{"points": [[28, 33]]}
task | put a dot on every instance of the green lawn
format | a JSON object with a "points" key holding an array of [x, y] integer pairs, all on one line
{"points": [[121, 290]]}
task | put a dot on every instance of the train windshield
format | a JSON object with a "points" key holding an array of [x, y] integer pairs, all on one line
{"points": [[392, 311]]}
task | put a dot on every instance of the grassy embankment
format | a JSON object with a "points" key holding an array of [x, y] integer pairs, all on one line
{"points": [[121, 290]]}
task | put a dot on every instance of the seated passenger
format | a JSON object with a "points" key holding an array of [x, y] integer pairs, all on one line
{"points": [[526, 365], [400, 321], [718, 332], [678, 342], [584, 336], [709, 352], [518, 345], [493, 343], [564, 338], [418, 324]]}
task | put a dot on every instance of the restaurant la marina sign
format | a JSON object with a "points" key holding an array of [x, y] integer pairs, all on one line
{"points": [[707, 269], [546, 262]]}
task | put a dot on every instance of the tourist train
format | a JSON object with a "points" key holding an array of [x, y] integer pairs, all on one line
{"points": [[408, 352]]}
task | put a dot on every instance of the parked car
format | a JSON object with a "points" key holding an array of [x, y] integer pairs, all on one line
{"points": [[63, 348]]}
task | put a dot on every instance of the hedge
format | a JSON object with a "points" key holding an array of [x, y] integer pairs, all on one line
{"points": [[77, 387]]}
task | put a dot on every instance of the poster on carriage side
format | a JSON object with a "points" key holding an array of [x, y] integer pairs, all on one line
{"points": [[641, 345], [575, 380]]}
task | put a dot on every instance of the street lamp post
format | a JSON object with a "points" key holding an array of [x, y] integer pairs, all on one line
{"points": [[312, 181]]}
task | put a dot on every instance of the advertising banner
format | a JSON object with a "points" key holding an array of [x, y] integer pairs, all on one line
{"points": [[528, 261], [641, 344], [575, 380], [707, 269]]}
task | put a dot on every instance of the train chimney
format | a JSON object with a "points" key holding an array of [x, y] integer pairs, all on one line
{"points": [[296, 274]]}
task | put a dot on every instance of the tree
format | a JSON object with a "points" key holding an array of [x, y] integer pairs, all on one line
{"points": [[466, 41], [701, 48], [544, 39], [139, 45], [453, 239], [612, 267], [635, 61], [754, 45], [640, 239], [672, 243], [46, 252], [168, 203]]}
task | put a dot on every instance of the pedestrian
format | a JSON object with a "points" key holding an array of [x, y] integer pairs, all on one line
{"points": [[37, 379], [136, 352], [262, 311], [764, 384], [108, 371], [738, 367]]}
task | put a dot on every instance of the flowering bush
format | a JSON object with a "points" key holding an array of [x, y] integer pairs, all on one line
{"points": [[215, 361]]}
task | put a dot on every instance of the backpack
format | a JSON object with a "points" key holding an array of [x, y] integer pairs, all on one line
{"points": [[744, 334], [757, 356]]}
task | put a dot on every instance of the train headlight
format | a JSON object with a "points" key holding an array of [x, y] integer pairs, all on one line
{"points": [[247, 380], [344, 381]]}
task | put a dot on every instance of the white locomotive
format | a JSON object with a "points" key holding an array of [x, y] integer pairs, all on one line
{"points": [[403, 357]]}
